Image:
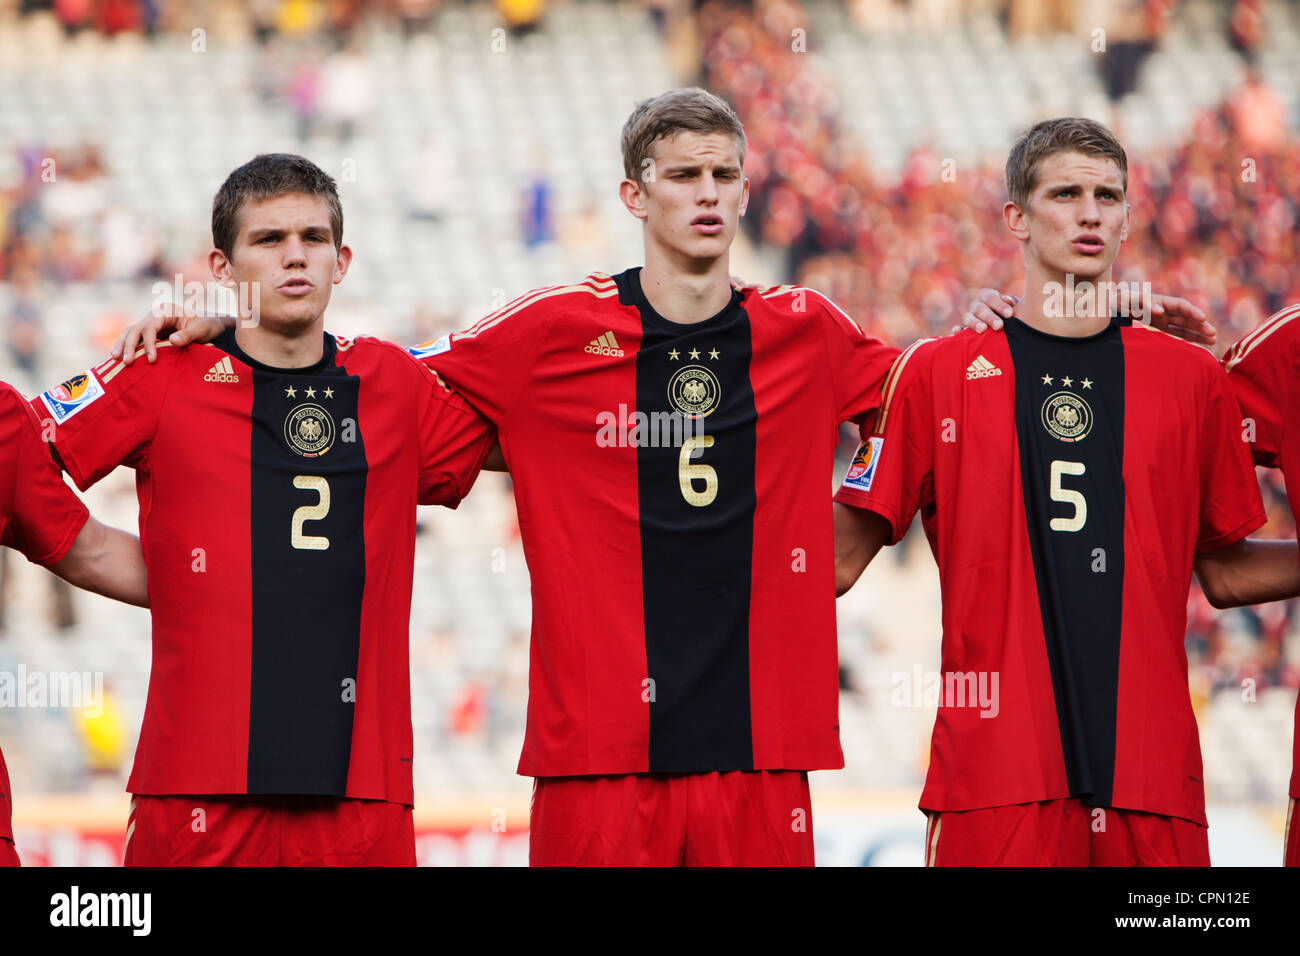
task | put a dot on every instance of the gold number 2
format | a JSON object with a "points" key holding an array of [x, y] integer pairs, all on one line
{"points": [[310, 542], [687, 473]]}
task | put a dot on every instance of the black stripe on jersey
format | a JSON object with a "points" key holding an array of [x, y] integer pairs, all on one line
{"points": [[309, 574], [1070, 430], [696, 559]]}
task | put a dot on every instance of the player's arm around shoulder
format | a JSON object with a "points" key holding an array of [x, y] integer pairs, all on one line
{"points": [[48, 523], [858, 362], [106, 416], [889, 477], [454, 438], [1235, 570], [1262, 368], [491, 362], [106, 561]]}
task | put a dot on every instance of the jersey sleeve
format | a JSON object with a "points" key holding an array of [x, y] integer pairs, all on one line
{"points": [[489, 362], [454, 441], [43, 516], [858, 362], [106, 416], [1231, 506], [1260, 369], [892, 473]]}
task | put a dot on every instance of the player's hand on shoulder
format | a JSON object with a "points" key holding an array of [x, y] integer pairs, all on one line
{"points": [[186, 326], [1169, 314], [987, 311]]}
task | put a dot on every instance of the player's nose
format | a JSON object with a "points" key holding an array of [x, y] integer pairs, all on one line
{"points": [[295, 252]]}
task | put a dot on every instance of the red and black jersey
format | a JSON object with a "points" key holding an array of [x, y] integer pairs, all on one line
{"points": [[277, 518], [39, 514], [1066, 486], [671, 487], [1264, 369]]}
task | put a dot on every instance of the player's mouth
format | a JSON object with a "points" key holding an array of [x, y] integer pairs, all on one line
{"points": [[1090, 244], [295, 286], [707, 224]]}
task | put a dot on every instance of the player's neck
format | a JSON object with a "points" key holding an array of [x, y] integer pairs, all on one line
{"points": [[681, 295], [298, 348], [1064, 305]]}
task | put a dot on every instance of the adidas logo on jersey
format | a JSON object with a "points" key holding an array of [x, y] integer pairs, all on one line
{"points": [[223, 371], [605, 345], [981, 368]]}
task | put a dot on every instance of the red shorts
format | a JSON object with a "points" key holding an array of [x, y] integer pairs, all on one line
{"points": [[738, 818], [1063, 833], [8, 855], [268, 831], [1291, 841]]}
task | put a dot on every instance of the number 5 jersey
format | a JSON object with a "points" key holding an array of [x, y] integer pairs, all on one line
{"points": [[277, 518], [1066, 486], [671, 481]]}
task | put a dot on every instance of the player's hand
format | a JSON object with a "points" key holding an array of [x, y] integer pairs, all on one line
{"points": [[1170, 314], [987, 311], [188, 328]]}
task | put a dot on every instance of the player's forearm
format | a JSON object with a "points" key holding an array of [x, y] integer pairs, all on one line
{"points": [[859, 536], [1251, 571], [108, 562]]}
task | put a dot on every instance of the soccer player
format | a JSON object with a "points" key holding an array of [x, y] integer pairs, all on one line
{"points": [[278, 471], [1263, 369], [1070, 470], [42, 518]]}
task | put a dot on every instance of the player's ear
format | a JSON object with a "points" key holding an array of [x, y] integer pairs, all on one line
{"points": [[633, 196], [1016, 220], [744, 195], [220, 267], [341, 263]]}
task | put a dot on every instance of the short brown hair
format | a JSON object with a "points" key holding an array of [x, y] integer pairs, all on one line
{"points": [[1068, 134], [691, 109], [269, 176]]}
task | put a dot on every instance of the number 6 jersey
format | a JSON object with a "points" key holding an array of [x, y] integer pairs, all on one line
{"points": [[1066, 486], [671, 485], [277, 518]]}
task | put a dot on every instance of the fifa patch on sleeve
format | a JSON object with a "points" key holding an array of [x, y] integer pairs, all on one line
{"points": [[437, 347], [862, 470], [72, 396]]}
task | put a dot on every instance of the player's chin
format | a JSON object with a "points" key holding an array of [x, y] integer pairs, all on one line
{"points": [[708, 247], [294, 314]]}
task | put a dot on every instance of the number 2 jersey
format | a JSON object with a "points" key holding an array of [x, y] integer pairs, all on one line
{"points": [[1066, 486], [1264, 369], [277, 518], [671, 486], [39, 515]]}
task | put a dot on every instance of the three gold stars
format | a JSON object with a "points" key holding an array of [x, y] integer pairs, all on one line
{"points": [[1067, 382]]}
